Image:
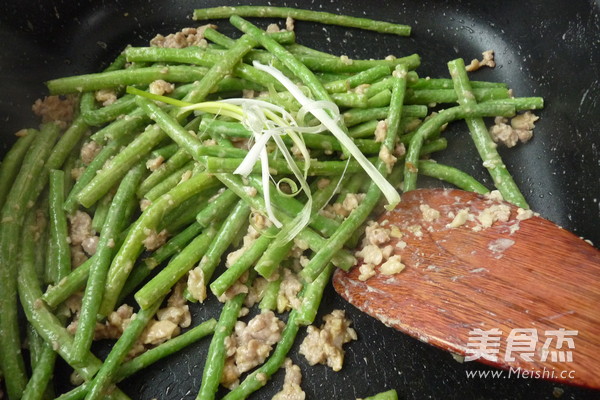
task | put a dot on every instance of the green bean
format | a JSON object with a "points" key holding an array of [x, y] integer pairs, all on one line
{"points": [[218, 71], [117, 167], [433, 146], [358, 216], [312, 295], [217, 207], [380, 86], [244, 262], [218, 38], [387, 395], [381, 99], [107, 373], [149, 220], [326, 77], [258, 378], [350, 100], [151, 356], [12, 216], [353, 185], [165, 349], [356, 116], [186, 214], [524, 103], [302, 15], [42, 238], [101, 211], [168, 150], [232, 225], [42, 354], [60, 152], [319, 223], [482, 139], [42, 319], [123, 105], [75, 281], [311, 140], [178, 160], [72, 162], [34, 344], [439, 83], [175, 161], [162, 283], [275, 253], [433, 124], [87, 103], [169, 182], [94, 289], [336, 65], [64, 147], [366, 76], [364, 129], [59, 251], [178, 134], [185, 139], [126, 126], [281, 167], [12, 162], [41, 375], [174, 246], [215, 359], [113, 79], [315, 241], [296, 48], [58, 293], [428, 96], [198, 56], [270, 294], [452, 175], [299, 69], [91, 171]]}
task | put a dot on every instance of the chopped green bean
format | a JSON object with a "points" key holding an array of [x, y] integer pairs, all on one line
{"points": [[94, 289], [12, 162], [387, 395], [118, 166], [12, 215], [343, 259], [59, 251], [302, 15], [482, 139], [452, 175], [231, 227], [131, 123], [147, 223], [107, 373], [215, 359], [91, 171], [132, 76], [162, 283], [433, 124], [170, 181]]}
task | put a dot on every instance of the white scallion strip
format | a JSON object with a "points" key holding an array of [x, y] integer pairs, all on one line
{"points": [[268, 121], [390, 193]]}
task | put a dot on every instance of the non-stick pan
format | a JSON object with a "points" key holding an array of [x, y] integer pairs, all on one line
{"points": [[543, 48]]}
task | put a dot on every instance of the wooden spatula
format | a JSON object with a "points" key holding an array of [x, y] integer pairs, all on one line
{"points": [[522, 295]]}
